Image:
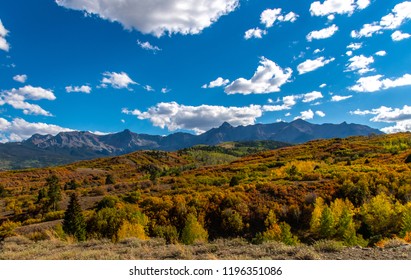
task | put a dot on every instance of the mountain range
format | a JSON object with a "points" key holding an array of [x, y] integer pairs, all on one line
{"points": [[65, 147]]}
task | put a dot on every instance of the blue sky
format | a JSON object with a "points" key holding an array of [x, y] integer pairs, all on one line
{"points": [[161, 66]]}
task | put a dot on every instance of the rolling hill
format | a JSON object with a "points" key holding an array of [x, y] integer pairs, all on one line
{"points": [[355, 191]]}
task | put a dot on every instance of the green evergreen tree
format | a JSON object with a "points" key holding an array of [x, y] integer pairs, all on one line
{"points": [[74, 222], [53, 192]]}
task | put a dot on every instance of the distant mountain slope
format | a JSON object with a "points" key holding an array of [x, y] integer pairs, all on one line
{"points": [[66, 147]]}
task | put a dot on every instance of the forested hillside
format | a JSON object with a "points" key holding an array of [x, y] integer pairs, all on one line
{"points": [[356, 191]]}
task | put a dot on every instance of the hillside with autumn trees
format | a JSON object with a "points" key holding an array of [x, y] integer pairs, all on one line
{"points": [[355, 191]]}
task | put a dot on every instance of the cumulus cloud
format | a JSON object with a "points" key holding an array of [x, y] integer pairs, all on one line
{"points": [[401, 117], [323, 85], [219, 82], [157, 17], [17, 99], [311, 65], [311, 96], [269, 16], [399, 14], [330, 7], [19, 129], [360, 64], [288, 102], [117, 80], [320, 114], [147, 46], [375, 83], [399, 36], [34, 93], [381, 53], [199, 119], [84, 89], [4, 45], [269, 77], [323, 33], [338, 98], [367, 30], [20, 78], [306, 115], [254, 33]]}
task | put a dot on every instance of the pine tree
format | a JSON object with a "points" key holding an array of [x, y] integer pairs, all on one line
{"points": [[53, 192], [74, 223]]}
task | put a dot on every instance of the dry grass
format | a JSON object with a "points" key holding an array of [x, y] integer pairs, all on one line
{"points": [[49, 247]]}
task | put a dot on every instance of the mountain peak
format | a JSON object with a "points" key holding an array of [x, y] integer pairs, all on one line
{"points": [[299, 121], [226, 125]]}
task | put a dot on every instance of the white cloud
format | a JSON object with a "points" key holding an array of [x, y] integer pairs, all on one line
{"points": [[401, 117], [20, 78], [311, 96], [148, 88], [147, 46], [84, 89], [165, 90], [337, 7], [354, 46], [338, 98], [4, 45], [254, 33], [320, 114], [399, 14], [323, 85], [3, 30], [157, 17], [199, 119], [374, 83], [269, 100], [17, 102], [288, 102], [269, 16], [269, 77], [311, 65], [291, 17], [19, 129], [323, 33], [360, 63], [402, 126], [317, 51], [219, 82], [306, 115], [381, 53], [34, 93], [398, 36], [117, 80], [17, 99], [349, 53], [367, 30]]}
